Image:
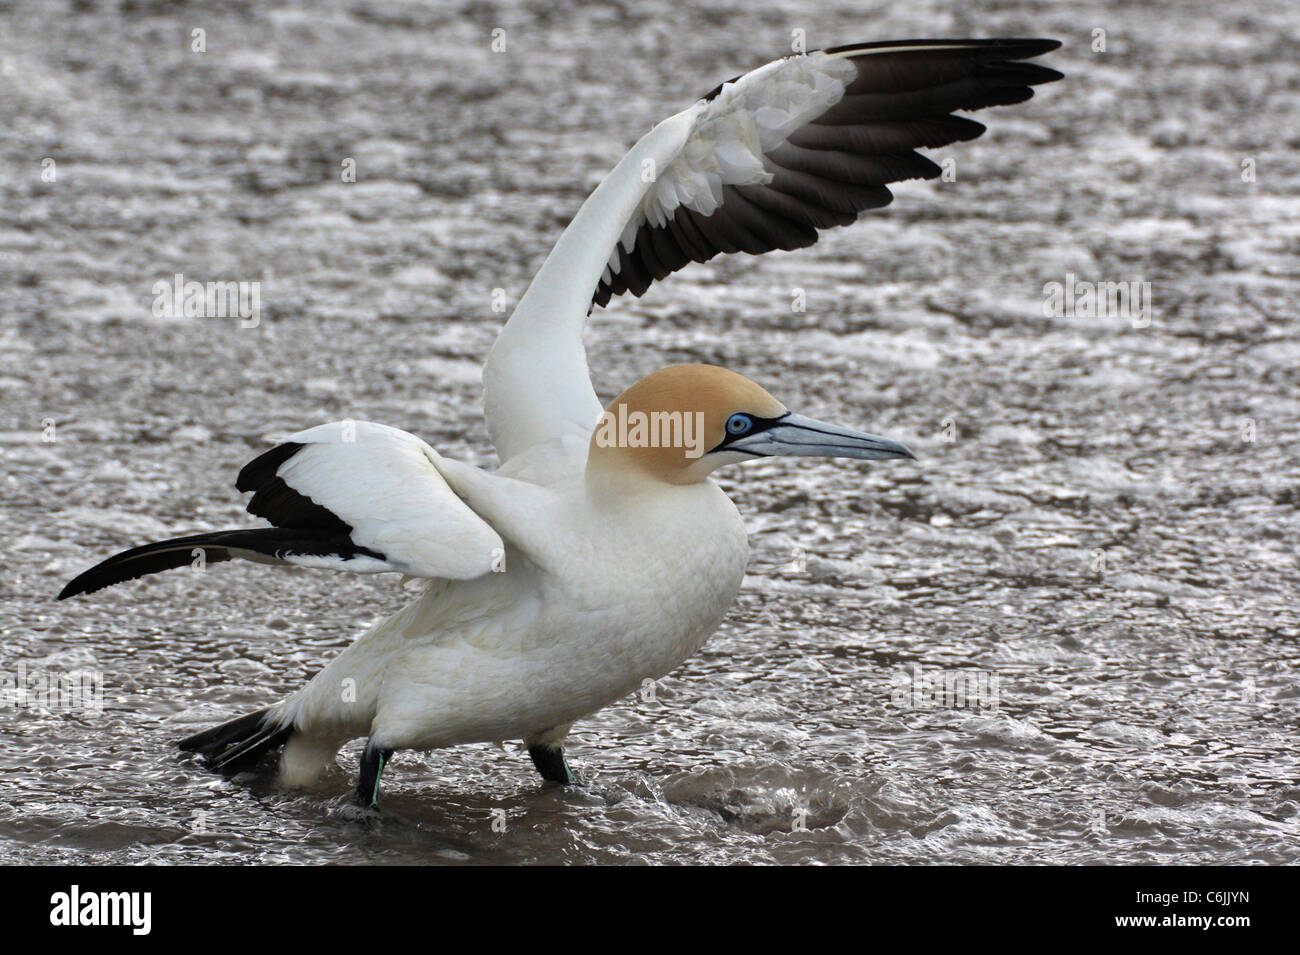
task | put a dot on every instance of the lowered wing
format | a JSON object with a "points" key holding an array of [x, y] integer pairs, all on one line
{"points": [[350, 495]]}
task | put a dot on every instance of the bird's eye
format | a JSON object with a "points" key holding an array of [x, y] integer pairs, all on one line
{"points": [[738, 424]]}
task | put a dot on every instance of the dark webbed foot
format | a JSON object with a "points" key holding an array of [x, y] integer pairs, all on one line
{"points": [[549, 760], [373, 761]]}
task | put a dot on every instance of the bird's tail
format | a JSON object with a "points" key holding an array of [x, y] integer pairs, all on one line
{"points": [[238, 745]]}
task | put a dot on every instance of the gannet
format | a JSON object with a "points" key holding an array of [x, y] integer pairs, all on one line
{"points": [[599, 554]]}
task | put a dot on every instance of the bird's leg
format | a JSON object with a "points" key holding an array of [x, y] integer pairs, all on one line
{"points": [[373, 761], [547, 752], [549, 760]]}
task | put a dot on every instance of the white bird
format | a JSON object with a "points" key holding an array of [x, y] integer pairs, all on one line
{"points": [[600, 554]]}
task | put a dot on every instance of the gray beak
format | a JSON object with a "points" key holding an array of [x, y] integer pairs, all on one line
{"points": [[794, 435]]}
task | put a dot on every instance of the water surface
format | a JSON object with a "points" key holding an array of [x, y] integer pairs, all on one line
{"points": [[1103, 517]]}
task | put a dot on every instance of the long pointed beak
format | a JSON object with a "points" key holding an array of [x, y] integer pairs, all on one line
{"points": [[794, 435]]}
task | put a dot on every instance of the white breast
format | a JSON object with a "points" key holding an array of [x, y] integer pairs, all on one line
{"points": [[636, 591]]}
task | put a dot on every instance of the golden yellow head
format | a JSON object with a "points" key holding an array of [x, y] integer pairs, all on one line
{"points": [[682, 422]]}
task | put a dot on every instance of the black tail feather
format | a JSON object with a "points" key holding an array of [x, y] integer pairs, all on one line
{"points": [[237, 745]]}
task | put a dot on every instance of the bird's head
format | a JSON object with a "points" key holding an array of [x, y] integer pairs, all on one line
{"points": [[684, 421]]}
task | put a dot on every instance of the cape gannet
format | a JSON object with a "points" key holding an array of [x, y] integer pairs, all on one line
{"points": [[600, 554]]}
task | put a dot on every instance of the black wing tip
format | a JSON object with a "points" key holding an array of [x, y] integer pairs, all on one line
{"points": [[85, 583], [1015, 48], [1045, 74], [141, 561], [119, 568], [1009, 48], [1001, 53], [262, 468], [970, 74], [280, 503], [76, 587], [277, 543]]}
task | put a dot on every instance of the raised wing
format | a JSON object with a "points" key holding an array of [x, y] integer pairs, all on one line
{"points": [[763, 162], [350, 495]]}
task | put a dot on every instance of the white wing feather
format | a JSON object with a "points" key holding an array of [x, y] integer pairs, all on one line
{"points": [[385, 484]]}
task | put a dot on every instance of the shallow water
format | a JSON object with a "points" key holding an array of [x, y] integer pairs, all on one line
{"points": [[1103, 516]]}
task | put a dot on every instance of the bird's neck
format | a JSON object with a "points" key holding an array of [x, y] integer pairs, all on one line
{"points": [[613, 474]]}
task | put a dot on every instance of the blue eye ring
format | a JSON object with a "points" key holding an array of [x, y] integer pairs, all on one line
{"points": [[739, 424]]}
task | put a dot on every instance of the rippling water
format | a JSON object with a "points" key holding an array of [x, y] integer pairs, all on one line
{"points": [[1102, 519]]}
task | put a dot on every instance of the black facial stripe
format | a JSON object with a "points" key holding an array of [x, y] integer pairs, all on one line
{"points": [[760, 425]]}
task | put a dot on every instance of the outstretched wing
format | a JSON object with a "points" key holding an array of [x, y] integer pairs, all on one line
{"points": [[763, 162], [350, 495], [382, 486]]}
